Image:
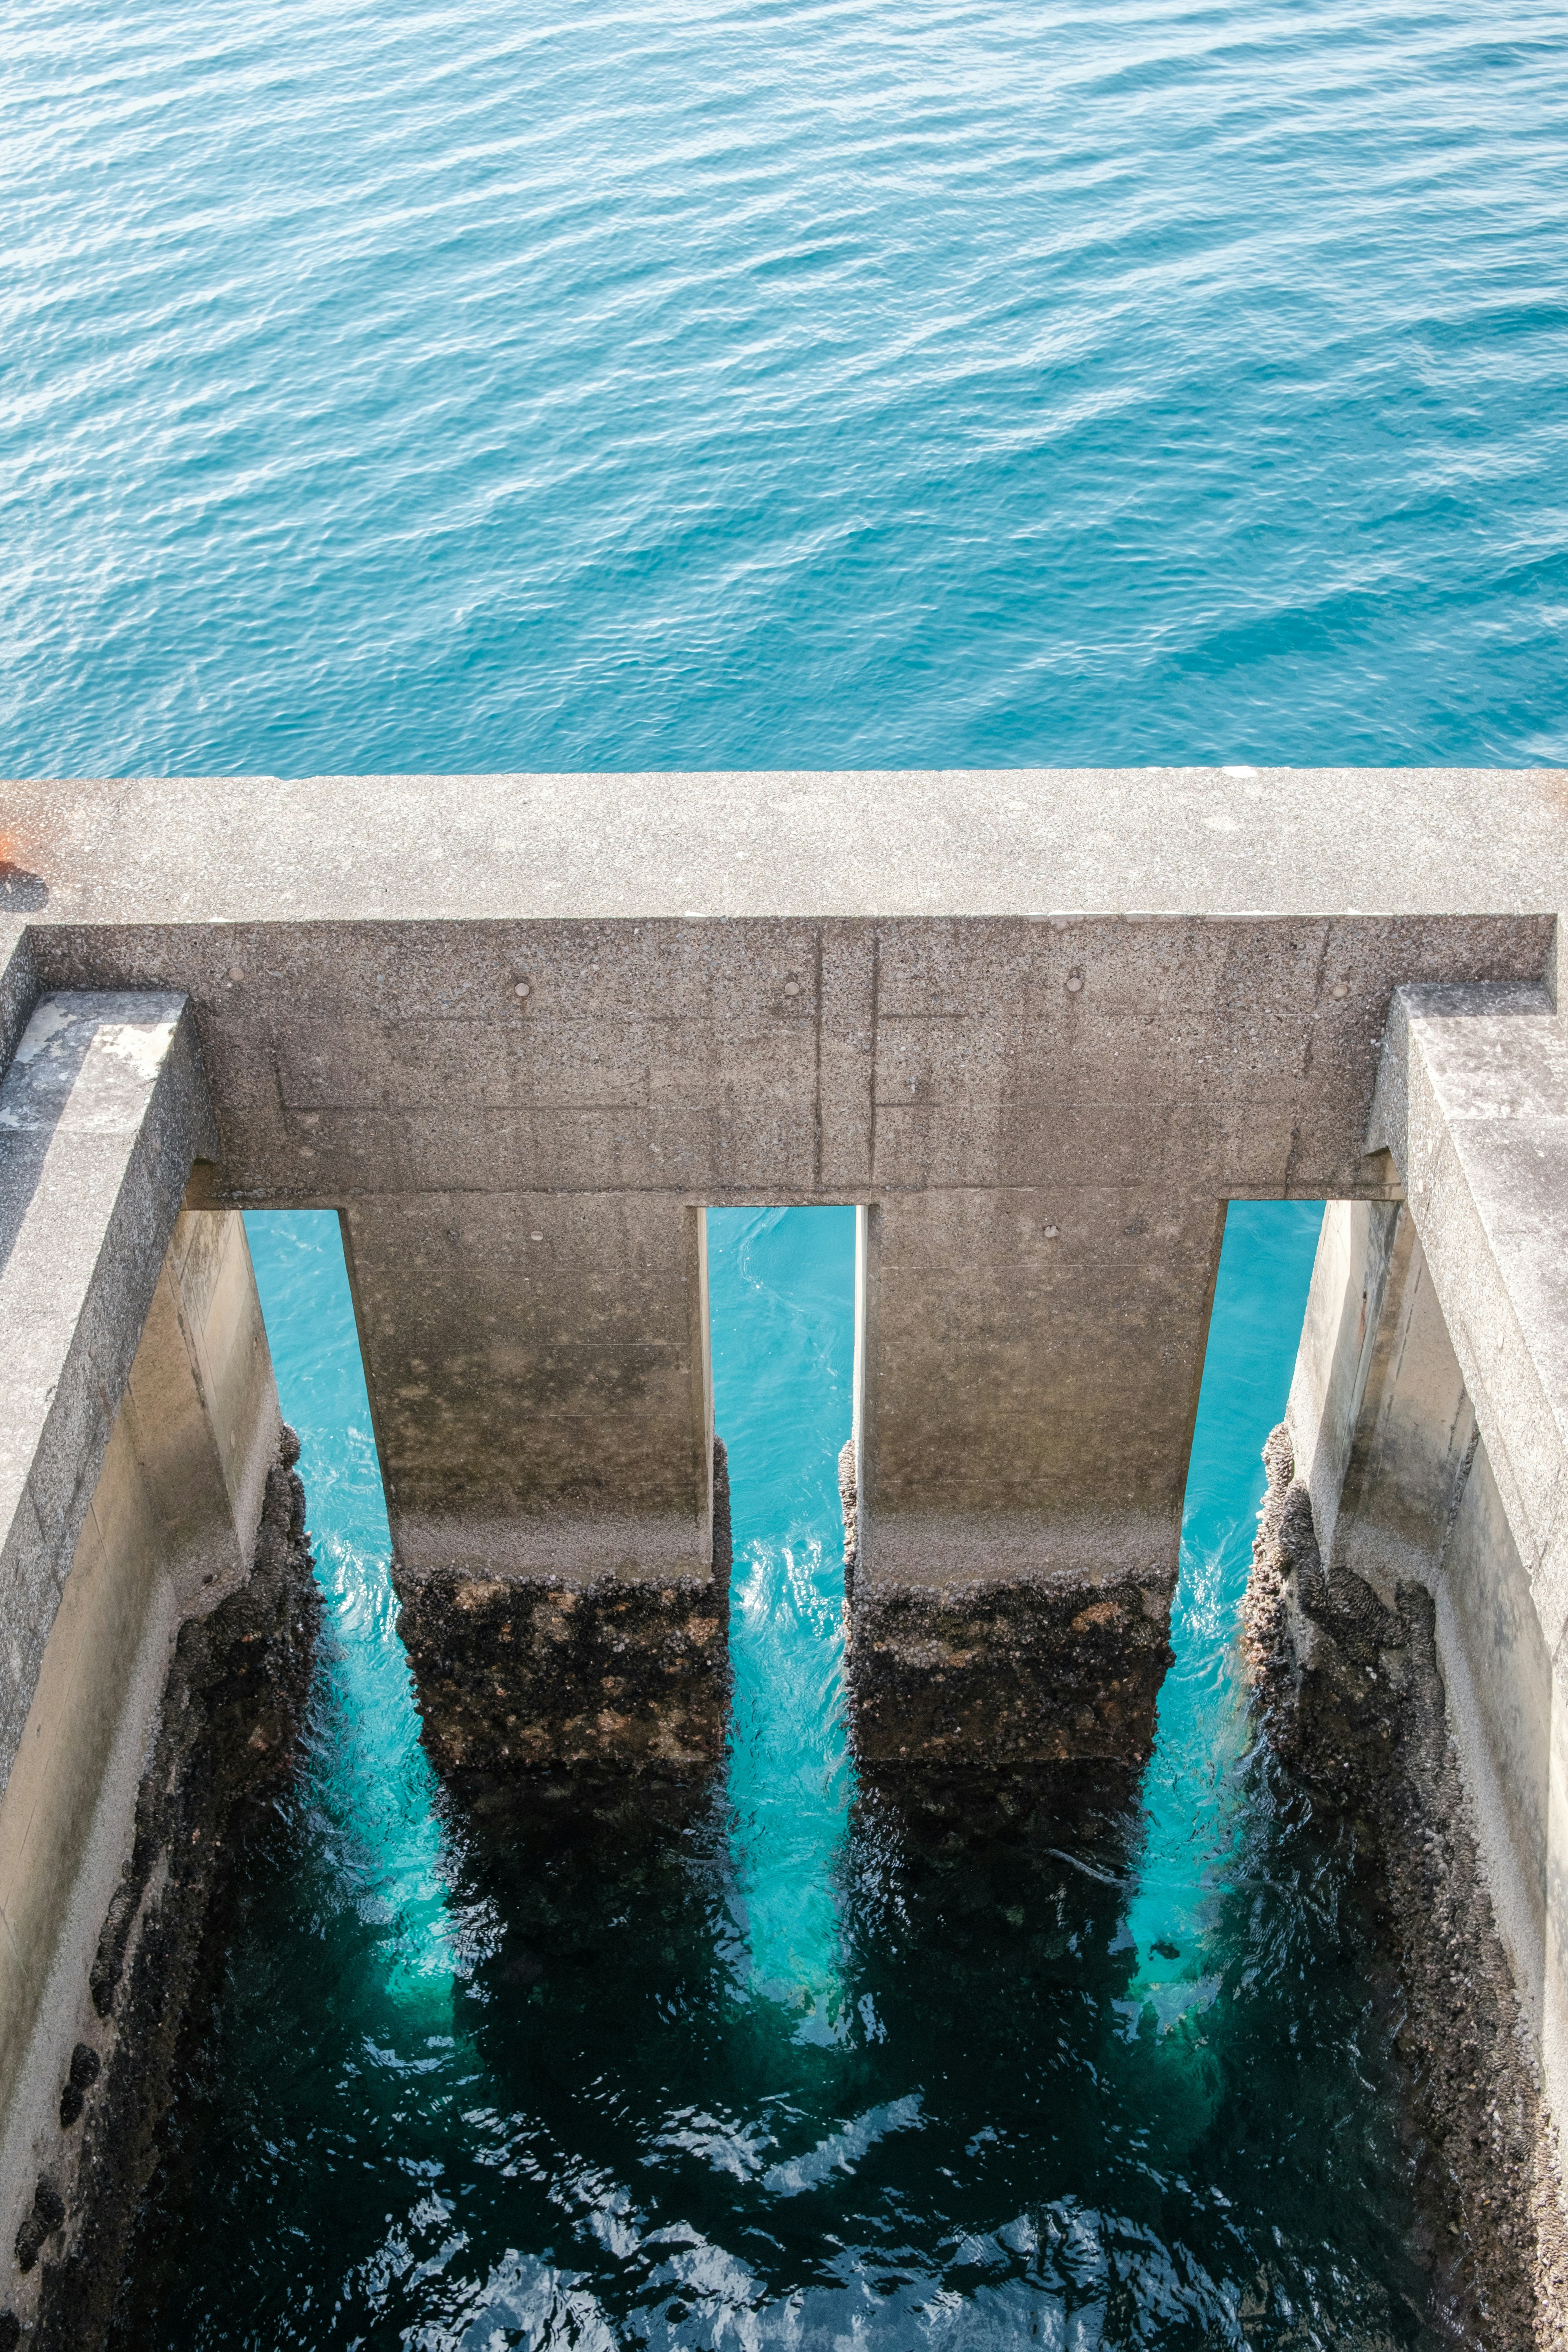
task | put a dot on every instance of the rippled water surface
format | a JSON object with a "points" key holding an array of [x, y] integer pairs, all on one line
{"points": [[787, 2064], [682, 383]]}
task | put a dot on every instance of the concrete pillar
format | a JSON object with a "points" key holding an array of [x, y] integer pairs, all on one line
{"points": [[539, 1373], [139, 1420], [1031, 1369]]}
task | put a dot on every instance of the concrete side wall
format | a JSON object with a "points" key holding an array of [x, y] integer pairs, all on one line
{"points": [[102, 1112], [1379, 1422], [1340, 1334], [1472, 1103], [1384, 1437], [169, 1530], [1500, 1682]]}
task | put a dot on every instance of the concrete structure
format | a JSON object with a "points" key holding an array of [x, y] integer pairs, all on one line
{"points": [[1428, 1416], [139, 1421], [520, 1031]]}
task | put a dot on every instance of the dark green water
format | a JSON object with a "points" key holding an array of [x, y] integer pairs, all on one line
{"points": [[781, 2065]]}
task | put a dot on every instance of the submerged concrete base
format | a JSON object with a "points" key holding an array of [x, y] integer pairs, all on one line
{"points": [[1060, 1666], [1353, 1692], [517, 1673]]}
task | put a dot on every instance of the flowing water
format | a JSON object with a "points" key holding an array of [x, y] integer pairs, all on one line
{"points": [[494, 384], [781, 2065]]}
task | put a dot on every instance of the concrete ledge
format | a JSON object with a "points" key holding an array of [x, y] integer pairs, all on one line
{"points": [[102, 1111], [1472, 1101], [951, 841]]}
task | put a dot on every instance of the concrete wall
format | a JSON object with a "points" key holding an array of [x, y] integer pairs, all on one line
{"points": [[1428, 1414], [102, 1112], [1386, 1439], [138, 1422], [1042, 1025], [169, 1532]]}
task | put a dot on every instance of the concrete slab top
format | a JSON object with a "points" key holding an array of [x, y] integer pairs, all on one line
{"points": [[1027, 842]]}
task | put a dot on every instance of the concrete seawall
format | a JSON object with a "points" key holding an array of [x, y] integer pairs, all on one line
{"points": [[1040, 1028]]}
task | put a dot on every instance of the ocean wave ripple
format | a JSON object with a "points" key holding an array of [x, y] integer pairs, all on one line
{"points": [[685, 383]]}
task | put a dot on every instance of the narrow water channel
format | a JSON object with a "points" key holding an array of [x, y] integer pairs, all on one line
{"points": [[553, 2067]]}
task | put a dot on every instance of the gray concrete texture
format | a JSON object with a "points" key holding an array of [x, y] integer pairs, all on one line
{"points": [[1386, 1440], [138, 1419], [102, 1112], [169, 1532], [1472, 1105]]}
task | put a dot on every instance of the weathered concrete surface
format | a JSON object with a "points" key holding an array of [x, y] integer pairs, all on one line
{"points": [[1426, 1424], [945, 843], [1472, 1103], [1044, 1025], [169, 1532], [1358, 1695], [538, 1366], [213, 1768], [628, 1672], [102, 1111], [138, 1423]]}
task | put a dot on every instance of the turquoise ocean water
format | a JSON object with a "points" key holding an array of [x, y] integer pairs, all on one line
{"points": [[770, 382]]}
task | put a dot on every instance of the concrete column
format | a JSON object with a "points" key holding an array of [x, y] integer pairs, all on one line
{"points": [[138, 1422], [1032, 1365], [539, 1373]]}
